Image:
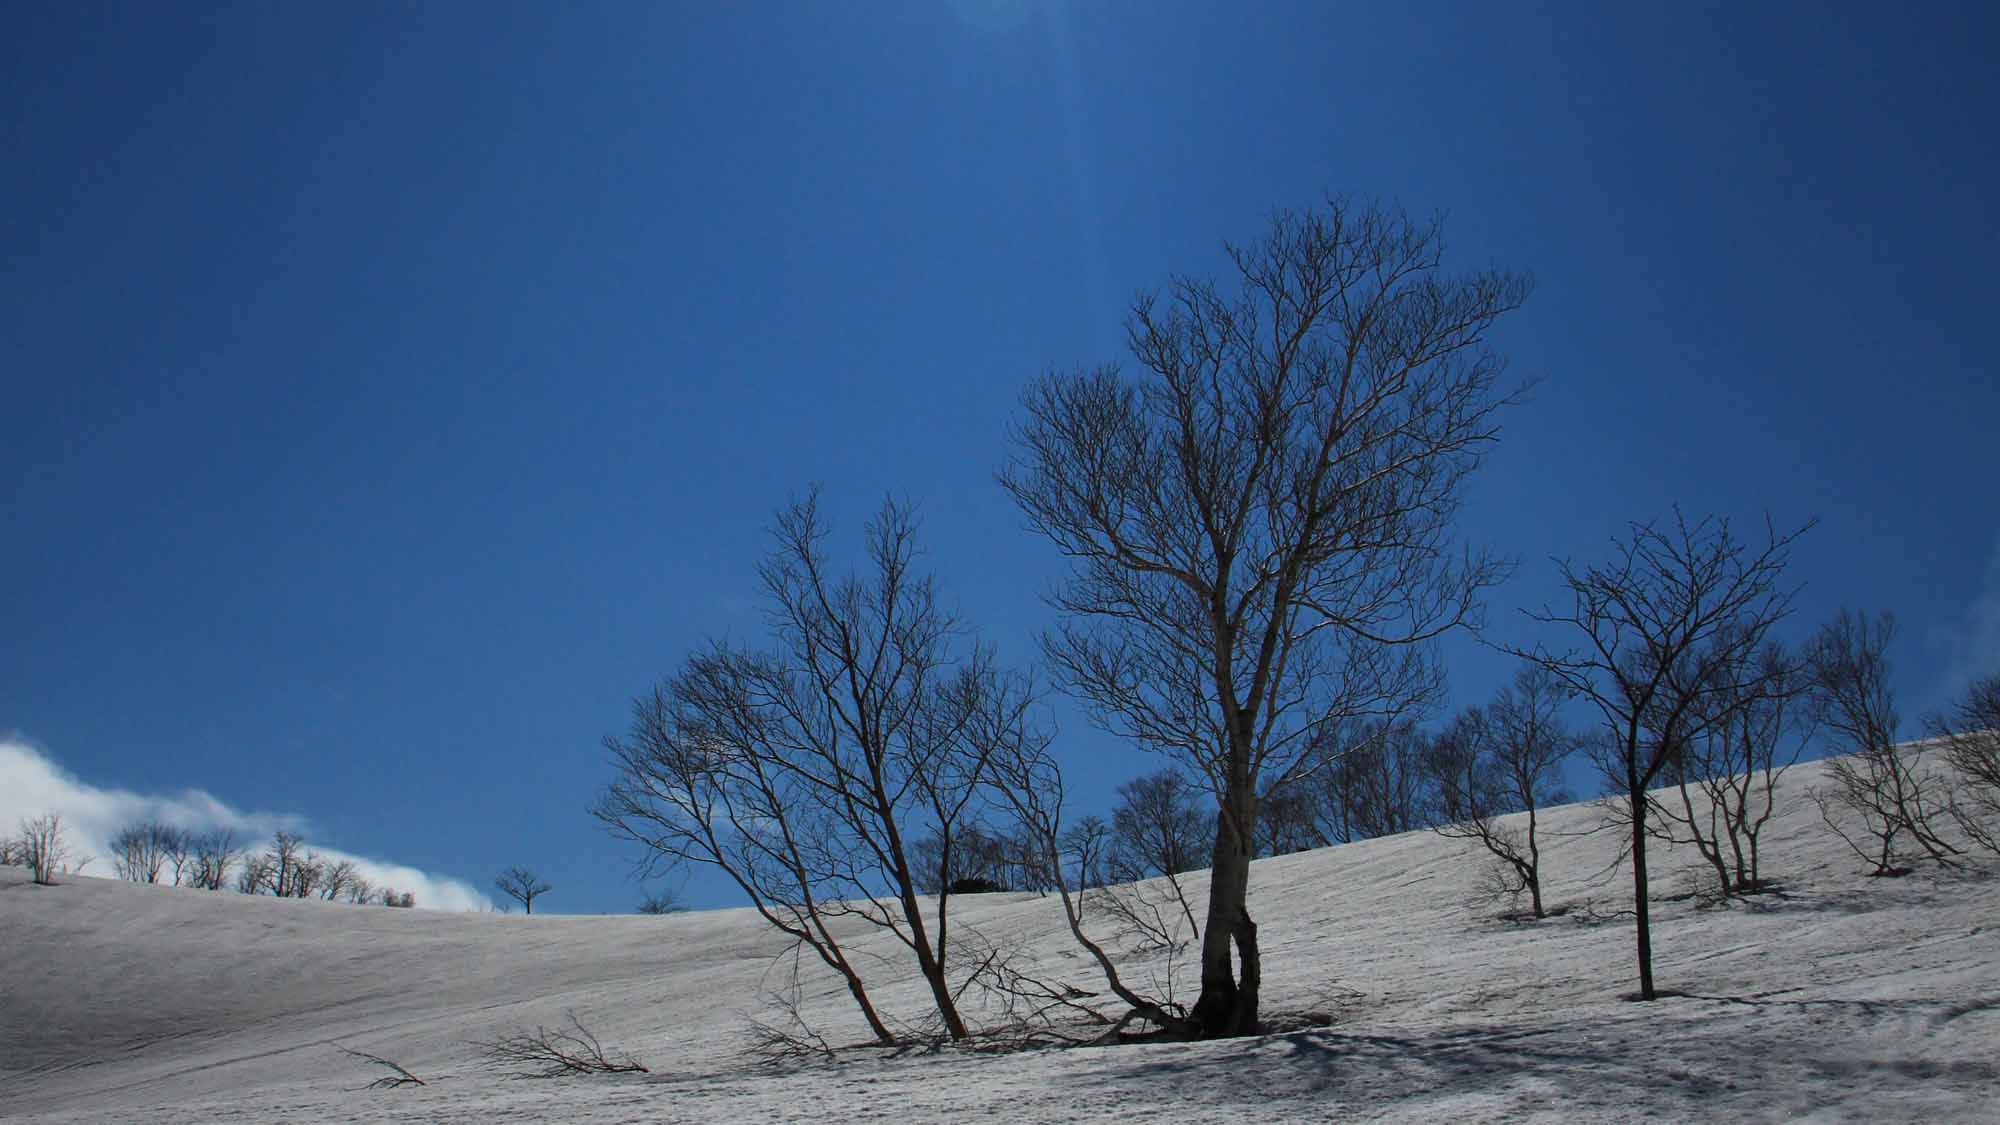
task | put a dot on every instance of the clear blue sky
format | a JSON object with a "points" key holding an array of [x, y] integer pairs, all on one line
{"points": [[389, 393]]}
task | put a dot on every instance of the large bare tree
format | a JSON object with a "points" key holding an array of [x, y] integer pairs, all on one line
{"points": [[1258, 517], [1674, 622]]}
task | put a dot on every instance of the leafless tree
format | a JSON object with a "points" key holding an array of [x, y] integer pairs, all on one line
{"points": [[45, 850], [523, 886], [13, 852], [807, 772], [1373, 779], [1673, 622], [556, 1052], [1970, 738], [1159, 827], [1506, 757], [141, 853], [1081, 859], [257, 875], [1159, 830], [1289, 821], [663, 901], [215, 853], [309, 873], [1379, 785], [1896, 796], [975, 857], [336, 880], [1725, 779], [1258, 522]]}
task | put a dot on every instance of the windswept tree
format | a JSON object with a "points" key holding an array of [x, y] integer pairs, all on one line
{"points": [[807, 771], [523, 886], [1672, 623], [1506, 757], [1258, 518]]}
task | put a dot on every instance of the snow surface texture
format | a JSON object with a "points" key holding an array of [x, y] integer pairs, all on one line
{"points": [[1848, 998]]}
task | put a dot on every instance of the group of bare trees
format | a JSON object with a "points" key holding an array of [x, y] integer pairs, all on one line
{"points": [[217, 859], [152, 852], [1257, 520]]}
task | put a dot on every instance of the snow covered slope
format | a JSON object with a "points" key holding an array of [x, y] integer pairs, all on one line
{"points": [[1846, 999]]}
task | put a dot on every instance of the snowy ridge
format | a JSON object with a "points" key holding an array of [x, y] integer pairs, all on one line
{"points": [[1848, 998]]}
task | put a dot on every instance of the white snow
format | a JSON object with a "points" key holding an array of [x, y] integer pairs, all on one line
{"points": [[1848, 999]]}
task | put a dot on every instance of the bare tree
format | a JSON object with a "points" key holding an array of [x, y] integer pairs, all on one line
{"points": [[1970, 738], [1159, 827], [215, 853], [141, 853], [1379, 786], [45, 850], [1725, 779], [308, 876], [1258, 522], [523, 886], [1506, 757], [663, 901], [1896, 796], [1083, 851], [257, 876], [1672, 623], [807, 772]]}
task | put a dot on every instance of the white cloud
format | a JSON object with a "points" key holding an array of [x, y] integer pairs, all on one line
{"points": [[31, 784]]}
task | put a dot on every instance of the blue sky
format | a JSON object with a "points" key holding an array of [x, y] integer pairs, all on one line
{"points": [[389, 393]]}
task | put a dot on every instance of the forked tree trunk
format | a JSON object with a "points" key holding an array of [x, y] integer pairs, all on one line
{"points": [[1228, 1002]]}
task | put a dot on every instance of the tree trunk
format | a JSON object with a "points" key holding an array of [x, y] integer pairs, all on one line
{"points": [[855, 989], [1534, 864], [1228, 1004], [1640, 904]]}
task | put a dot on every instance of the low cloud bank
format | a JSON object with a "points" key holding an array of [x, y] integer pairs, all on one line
{"points": [[31, 784]]}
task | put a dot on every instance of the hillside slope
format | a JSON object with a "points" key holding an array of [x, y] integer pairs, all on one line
{"points": [[1845, 999]]}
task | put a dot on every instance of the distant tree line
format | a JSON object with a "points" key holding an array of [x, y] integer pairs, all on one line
{"points": [[213, 860]]}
